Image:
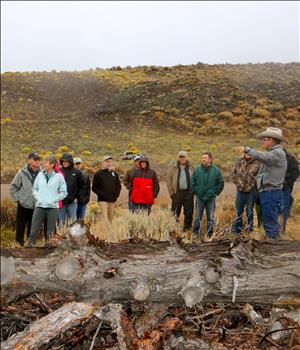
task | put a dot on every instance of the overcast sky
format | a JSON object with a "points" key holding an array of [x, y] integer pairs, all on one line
{"points": [[79, 35]]}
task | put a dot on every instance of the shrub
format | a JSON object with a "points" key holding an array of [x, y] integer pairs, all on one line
{"points": [[20, 99], [218, 162], [251, 142], [187, 148], [225, 115], [108, 146], [64, 148], [85, 136], [159, 115], [213, 148], [260, 112], [7, 120], [26, 149], [8, 213], [86, 153], [7, 237], [29, 100]]}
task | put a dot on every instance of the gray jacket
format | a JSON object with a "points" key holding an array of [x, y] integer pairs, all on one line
{"points": [[21, 188], [272, 171]]}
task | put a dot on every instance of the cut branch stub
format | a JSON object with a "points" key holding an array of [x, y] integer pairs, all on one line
{"points": [[78, 234], [8, 269], [212, 275], [194, 290], [140, 291], [68, 268]]}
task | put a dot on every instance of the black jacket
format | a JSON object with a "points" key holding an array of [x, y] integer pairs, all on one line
{"points": [[85, 198], [76, 185], [107, 186], [292, 171]]}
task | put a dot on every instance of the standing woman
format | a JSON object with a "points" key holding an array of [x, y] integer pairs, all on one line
{"points": [[145, 187], [48, 189]]}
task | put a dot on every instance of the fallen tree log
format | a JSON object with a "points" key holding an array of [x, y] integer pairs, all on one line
{"points": [[44, 330], [160, 272]]}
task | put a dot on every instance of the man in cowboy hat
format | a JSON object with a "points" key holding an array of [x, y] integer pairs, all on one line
{"points": [[270, 177]]}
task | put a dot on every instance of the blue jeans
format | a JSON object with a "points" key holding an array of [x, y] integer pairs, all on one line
{"points": [[81, 211], [139, 207], [244, 199], [271, 202], [68, 211], [209, 207]]}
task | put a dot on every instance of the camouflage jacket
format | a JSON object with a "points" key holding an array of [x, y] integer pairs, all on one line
{"points": [[244, 174]]}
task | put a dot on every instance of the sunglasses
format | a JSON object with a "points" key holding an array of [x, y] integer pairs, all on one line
{"points": [[77, 163]]}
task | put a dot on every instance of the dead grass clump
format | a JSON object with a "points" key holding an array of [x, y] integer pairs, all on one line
{"points": [[158, 225], [8, 213]]}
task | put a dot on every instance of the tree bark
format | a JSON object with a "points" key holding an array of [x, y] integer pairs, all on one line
{"points": [[160, 272]]}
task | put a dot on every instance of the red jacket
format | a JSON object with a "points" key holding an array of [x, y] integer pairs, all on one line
{"points": [[145, 186]]}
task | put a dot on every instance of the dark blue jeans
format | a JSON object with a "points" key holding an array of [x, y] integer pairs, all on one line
{"points": [[287, 203], [130, 204], [81, 211], [244, 199], [209, 207], [140, 207], [271, 202]]}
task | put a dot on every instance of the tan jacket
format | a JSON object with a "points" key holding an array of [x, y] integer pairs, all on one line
{"points": [[173, 175]]}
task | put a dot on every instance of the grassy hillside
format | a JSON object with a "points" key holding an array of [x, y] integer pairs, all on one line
{"points": [[156, 110]]}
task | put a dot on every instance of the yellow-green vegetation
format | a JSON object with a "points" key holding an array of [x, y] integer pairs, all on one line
{"points": [[156, 109]]}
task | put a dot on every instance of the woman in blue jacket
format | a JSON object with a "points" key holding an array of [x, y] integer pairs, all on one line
{"points": [[49, 187]]}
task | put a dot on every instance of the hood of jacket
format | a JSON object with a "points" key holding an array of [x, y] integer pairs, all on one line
{"points": [[67, 157]]}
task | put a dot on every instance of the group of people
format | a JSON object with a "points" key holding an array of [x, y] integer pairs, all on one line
{"points": [[60, 192]]}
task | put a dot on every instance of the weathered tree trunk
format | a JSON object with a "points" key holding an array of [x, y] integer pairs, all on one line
{"points": [[160, 272], [44, 330]]}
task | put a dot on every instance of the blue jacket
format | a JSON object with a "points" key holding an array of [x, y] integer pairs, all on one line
{"points": [[47, 194]]}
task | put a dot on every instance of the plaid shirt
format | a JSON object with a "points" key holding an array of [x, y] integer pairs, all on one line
{"points": [[244, 174]]}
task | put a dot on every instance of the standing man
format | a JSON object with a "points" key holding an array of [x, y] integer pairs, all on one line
{"points": [[207, 183], [128, 179], [85, 198], [48, 189], [107, 186], [292, 173], [179, 187], [244, 178], [76, 188], [270, 178], [21, 192], [145, 186]]}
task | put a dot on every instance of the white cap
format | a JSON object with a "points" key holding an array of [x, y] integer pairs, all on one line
{"points": [[107, 157]]}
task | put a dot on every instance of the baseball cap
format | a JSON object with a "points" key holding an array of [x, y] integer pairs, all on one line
{"points": [[77, 160], [137, 158], [182, 154], [106, 158], [34, 155]]}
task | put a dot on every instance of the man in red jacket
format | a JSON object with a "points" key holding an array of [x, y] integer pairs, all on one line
{"points": [[145, 186]]}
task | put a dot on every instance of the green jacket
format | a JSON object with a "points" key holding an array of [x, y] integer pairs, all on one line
{"points": [[207, 183]]}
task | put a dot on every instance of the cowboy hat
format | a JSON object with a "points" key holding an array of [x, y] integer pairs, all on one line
{"points": [[275, 133]]}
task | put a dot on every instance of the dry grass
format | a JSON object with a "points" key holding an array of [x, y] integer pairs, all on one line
{"points": [[158, 225]]}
